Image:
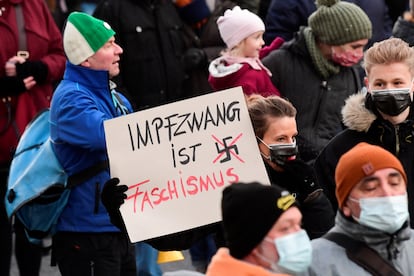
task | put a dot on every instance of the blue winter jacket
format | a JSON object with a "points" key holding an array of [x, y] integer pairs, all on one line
{"points": [[80, 105], [284, 17]]}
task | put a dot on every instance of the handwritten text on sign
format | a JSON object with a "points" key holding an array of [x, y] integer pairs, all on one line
{"points": [[177, 158]]}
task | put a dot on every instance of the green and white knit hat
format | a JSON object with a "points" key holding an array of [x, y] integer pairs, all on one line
{"points": [[336, 22], [84, 35]]}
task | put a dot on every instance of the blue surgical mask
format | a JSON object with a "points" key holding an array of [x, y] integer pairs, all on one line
{"points": [[295, 252], [386, 213]]}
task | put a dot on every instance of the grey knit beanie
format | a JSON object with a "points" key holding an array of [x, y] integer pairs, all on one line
{"points": [[337, 23]]}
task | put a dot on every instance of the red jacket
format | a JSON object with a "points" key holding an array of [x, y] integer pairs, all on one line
{"points": [[242, 74], [227, 72], [44, 43]]}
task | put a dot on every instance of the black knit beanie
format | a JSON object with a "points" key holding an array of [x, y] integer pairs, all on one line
{"points": [[249, 211], [337, 23]]}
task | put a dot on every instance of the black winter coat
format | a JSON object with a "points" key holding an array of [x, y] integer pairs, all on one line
{"points": [[154, 40], [318, 101], [317, 214], [405, 30], [364, 126]]}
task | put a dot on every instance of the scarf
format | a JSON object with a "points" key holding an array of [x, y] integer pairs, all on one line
{"points": [[322, 65]]}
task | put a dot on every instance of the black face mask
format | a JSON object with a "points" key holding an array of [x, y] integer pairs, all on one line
{"points": [[391, 101], [280, 153]]}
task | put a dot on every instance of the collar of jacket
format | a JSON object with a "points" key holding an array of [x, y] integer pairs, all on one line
{"points": [[385, 244], [356, 116]]}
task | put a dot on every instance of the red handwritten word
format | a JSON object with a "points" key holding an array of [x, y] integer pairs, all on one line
{"points": [[178, 189]]}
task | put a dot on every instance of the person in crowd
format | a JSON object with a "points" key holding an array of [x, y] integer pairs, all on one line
{"points": [[162, 61], [273, 120], [86, 242], [263, 237], [371, 190], [325, 56], [162, 57], [404, 26], [284, 18], [397, 8], [31, 61], [383, 116], [195, 13], [239, 64], [202, 251]]}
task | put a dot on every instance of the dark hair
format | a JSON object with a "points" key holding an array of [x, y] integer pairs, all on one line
{"points": [[262, 108]]}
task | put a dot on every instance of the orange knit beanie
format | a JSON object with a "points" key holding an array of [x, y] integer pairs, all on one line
{"points": [[361, 161]]}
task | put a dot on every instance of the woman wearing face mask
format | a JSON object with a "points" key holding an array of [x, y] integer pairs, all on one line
{"points": [[262, 229], [319, 68], [274, 124], [384, 116]]}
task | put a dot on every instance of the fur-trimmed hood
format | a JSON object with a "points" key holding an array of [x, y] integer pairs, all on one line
{"points": [[355, 115]]}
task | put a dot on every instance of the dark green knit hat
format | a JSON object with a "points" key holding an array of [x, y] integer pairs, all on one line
{"points": [[337, 23]]}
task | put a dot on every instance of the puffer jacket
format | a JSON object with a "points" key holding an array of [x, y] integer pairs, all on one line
{"points": [[318, 100], [328, 258], [365, 126]]}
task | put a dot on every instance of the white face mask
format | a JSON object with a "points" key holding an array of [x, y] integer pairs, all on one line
{"points": [[295, 252], [386, 213]]}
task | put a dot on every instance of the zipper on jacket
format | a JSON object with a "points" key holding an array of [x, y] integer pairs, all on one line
{"points": [[92, 264], [97, 198], [397, 140]]}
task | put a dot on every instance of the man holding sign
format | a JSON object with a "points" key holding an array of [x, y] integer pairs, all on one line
{"points": [[86, 242]]}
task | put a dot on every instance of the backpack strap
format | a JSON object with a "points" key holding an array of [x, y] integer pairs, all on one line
{"points": [[87, 173], [20, 27], [363, 255]]}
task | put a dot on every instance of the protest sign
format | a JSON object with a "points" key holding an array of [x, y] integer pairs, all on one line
{"points": [[177, 158]]}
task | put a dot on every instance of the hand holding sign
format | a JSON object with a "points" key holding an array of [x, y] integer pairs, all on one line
{"points": [[177, 158]]}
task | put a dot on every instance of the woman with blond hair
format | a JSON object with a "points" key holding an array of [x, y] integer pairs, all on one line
{"points": [[274, 124]]}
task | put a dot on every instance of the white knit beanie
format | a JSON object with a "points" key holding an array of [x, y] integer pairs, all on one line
{"points": [[84, 35], [237, 24]]}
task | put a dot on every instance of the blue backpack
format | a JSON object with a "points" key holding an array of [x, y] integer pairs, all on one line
{"points": [[38, 187]]}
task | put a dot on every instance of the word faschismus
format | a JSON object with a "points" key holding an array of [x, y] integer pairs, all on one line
{"points": [[179, 124]]}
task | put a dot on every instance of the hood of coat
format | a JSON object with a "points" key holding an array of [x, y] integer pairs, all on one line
{"points": [[355, 115], [219, 68]]}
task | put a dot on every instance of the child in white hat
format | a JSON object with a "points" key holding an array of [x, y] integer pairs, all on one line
{"points": [[240, 64]]}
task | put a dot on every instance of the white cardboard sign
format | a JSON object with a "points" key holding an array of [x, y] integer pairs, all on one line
{"points": [[177, 158]]}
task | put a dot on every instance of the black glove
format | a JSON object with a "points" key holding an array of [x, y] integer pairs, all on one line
{"points": [[37, 69], [11, 86], [113, 196], [301, 179], [194, 58]]}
